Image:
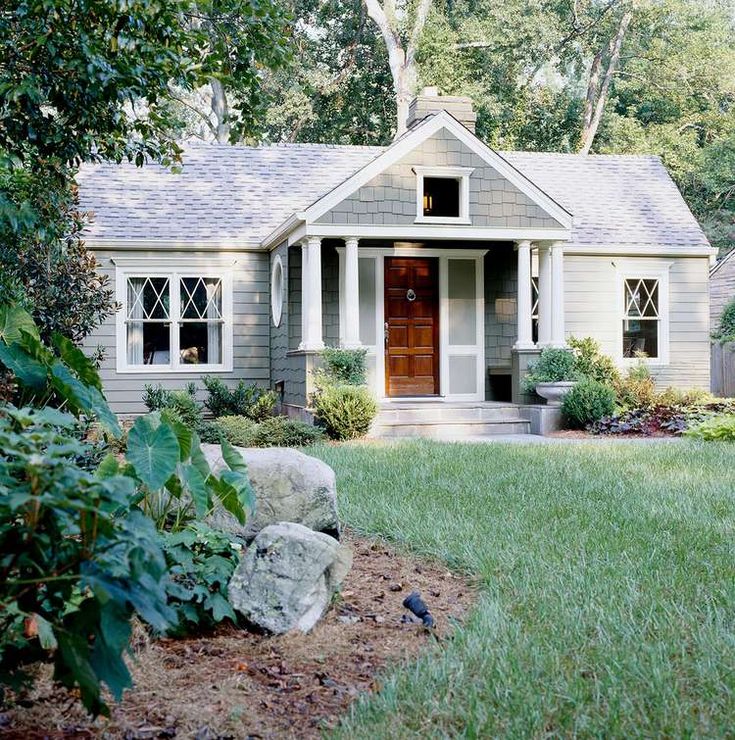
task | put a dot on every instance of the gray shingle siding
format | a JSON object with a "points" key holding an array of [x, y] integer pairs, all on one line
{"points": [[390, 198], [251, 333]]}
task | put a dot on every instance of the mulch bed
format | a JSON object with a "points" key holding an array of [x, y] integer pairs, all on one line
{"points": [[238, 684]]}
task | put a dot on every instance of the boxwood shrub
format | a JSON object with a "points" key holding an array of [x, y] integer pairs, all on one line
{"points": [[588, 402], [345, 411]]}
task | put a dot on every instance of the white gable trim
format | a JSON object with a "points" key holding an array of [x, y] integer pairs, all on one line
{"points": [[410, 141]]}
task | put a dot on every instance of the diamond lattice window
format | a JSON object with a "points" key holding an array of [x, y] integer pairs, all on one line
{"points": [[174, 321], [641, 317]]}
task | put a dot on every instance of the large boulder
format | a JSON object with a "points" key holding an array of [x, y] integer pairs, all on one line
{"points": [[287, 577], [289, 487]]}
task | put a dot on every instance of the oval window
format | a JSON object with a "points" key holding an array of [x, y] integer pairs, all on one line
{"points": [[277, 290]]}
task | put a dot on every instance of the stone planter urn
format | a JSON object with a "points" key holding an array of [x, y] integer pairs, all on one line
{"points": [[554, 392]]}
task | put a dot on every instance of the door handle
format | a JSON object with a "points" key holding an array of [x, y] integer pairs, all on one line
{"points": [[386, 333]]}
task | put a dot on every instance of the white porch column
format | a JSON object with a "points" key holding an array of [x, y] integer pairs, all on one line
{"points": [[351, 330], [524, 304], [558, 338], [544, 296], [311, 294]]}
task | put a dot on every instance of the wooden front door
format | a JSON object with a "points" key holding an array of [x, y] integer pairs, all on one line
{"points": [[411, 326]]}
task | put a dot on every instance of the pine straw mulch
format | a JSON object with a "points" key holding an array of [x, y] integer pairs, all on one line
{"points": [[238, 684]]}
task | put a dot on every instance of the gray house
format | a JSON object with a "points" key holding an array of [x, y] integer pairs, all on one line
{"points": [[721, 287], [451, 263]]}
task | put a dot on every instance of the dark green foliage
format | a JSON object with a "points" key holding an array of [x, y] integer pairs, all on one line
{"points": [[553, 366], [238, 430], [715, 429], [587, 402], [245, 400], [591, 363], [344, 366], [276, 431], [69, 538], [283, 432], [345, 411], [183, 404], [201, 561], [43, 377], [726, 328]]}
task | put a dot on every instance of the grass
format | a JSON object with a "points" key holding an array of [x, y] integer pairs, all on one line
{"points": [[607, 579]]}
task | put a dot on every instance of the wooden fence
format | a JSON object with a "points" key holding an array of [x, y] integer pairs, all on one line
{"points": [[722, 367]]}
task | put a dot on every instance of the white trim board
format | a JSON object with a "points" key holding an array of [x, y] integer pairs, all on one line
{"points": [[409, 141]]}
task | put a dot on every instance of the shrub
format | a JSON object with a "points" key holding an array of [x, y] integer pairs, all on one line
{"points": [[183, 404], [245, 400], [553, 366], [77, 561], [590, 362], [201, 562], [344, 366], [346, 411], [237, 430], [715, 429], [283, 432], [637, 389], [726, 329], [587, 402]]}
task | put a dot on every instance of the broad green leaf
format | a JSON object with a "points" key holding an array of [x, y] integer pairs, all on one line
{"points": [[233, 458], [77, 361], [198, 459], [220, 607], [241, 483], [12, 320], [196, 485], [182, 432], [54, 417], [228, 495], [153, 452], [29, 372], [45, 633], [108, 468], [85, 398]]}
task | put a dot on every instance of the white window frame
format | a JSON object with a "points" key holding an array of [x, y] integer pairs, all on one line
{"points": [[278, 292], [462, 174], [644, 270], [143, 268]]}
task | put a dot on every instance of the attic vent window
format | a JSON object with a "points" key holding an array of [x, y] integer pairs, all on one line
{"points": [[442, 195]]}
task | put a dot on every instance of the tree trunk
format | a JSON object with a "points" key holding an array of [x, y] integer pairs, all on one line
{"points": [[593, 111], [402, 61], [221, 112]]}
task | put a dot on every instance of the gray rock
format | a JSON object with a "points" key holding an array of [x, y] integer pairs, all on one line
{"points": [[289, 487], [287, 577]]}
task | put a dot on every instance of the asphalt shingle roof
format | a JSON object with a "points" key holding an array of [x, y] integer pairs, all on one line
{"points": [[242, 193]]}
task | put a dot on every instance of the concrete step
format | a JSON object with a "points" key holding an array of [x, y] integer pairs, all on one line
{"points": [[451, 430], [435, 413]]}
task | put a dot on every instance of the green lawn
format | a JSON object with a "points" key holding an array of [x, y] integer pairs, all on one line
{"points": [[607, 578]]}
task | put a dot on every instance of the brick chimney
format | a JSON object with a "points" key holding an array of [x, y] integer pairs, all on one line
{"points": [[430, 100]]}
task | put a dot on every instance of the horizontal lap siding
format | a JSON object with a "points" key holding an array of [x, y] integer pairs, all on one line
{"points": [[250, 332], [591, 306]]}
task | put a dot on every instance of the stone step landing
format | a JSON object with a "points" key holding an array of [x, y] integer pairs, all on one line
{"points": [[450, 421]]}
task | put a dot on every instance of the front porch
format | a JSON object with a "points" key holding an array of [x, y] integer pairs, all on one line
{"points": [[464, 333]]}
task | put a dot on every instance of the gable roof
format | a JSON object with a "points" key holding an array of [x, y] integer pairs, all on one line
{"points": [[238, 195], [726, 260]]}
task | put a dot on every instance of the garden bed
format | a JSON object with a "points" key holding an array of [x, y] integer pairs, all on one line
{"points": [[238, 684]]}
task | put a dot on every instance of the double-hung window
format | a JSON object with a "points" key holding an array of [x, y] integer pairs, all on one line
{"points": [[644, 320], [174, 320]]}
